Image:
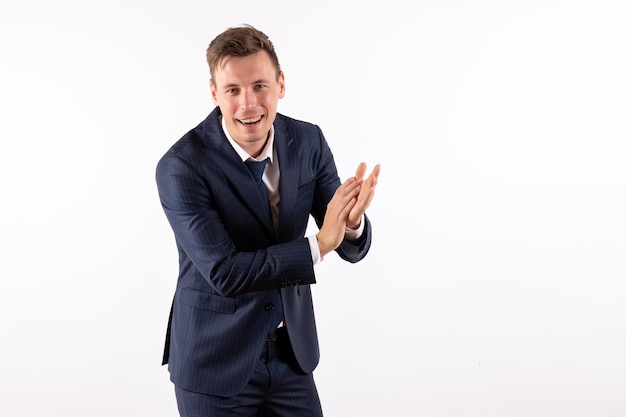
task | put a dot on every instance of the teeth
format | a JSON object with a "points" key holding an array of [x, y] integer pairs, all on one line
{"points": [[250, 121]]}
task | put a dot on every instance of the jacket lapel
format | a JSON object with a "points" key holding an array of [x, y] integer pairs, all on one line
{"points": [[218, 151]]}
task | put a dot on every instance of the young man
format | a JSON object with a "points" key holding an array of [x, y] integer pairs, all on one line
{"points": [[242, 339]]}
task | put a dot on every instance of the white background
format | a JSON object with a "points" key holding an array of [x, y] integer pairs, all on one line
{"points": [[495, 283]]}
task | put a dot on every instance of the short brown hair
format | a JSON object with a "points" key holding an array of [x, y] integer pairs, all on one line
{"points": [[239, 41]]}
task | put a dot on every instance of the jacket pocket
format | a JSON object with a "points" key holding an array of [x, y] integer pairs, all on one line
{"points": [[206, 301]]}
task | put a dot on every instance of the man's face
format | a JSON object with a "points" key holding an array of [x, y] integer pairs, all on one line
{"points": [[247, 91]]}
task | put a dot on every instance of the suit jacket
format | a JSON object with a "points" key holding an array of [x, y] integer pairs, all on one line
{"points": [[233, 266]]}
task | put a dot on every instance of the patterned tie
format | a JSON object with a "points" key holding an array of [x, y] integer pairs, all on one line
{"points": [[257, 168]]}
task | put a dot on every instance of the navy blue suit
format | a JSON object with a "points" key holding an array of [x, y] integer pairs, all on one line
{"points": [[233, 266]]}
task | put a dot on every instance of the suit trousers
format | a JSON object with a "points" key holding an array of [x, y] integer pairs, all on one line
{"points": [[278, 388]]}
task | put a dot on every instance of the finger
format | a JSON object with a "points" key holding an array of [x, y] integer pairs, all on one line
{"points": [[373, 177], [345, 212], [347, 191], [350, 193], [360, 171]]}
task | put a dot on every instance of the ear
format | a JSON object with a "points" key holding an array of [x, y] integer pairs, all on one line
{"points": [[281, 85], [213, 92]]}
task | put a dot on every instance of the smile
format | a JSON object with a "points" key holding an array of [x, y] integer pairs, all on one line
{"points": [[250, 121]]}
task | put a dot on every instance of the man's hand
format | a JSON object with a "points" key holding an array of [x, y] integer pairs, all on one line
{"points": [[333, 230], [365, 196], [346, 208]]}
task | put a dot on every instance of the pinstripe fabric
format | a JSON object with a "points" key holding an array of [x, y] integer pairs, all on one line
{"points": [[233, 267], [277, 388]]}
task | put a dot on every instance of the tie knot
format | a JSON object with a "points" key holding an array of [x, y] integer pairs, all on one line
{"points": [[256, 168]]}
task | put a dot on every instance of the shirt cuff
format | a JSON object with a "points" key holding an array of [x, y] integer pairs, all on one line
{"points": [[315, 250], [354, 234]]}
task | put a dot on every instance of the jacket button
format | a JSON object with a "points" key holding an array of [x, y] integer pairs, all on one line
{"points": [[269, 306]]}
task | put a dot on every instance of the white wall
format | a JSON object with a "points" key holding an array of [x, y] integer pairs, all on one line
{"points": [[495, 284]]}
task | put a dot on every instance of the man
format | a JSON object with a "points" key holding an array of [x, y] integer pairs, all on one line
{"points": [[242, 339]]}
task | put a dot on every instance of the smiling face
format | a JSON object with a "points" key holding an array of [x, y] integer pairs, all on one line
{"points": [[247, 90]]}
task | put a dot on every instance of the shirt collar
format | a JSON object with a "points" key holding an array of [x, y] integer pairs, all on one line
{"points": [[267, 152]]}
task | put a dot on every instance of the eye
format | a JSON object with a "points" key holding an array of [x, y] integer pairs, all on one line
{"points": [[231, 91], [260, 86]]}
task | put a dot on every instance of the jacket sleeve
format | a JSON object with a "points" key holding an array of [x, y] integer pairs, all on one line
{"points": [[355, 250], [203, 239]]}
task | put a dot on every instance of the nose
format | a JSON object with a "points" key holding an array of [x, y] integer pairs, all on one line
{"points": [[247, 100]]}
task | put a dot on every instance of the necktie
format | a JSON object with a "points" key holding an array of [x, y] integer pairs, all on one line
{"points": [[257, 168], [275, 308]]}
